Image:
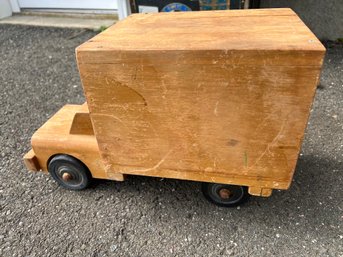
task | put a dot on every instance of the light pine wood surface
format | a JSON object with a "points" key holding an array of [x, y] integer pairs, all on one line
{"points": [[221, 96]]}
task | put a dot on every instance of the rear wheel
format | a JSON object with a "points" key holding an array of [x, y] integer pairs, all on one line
{"points": [[225, 195], [69, 172]]}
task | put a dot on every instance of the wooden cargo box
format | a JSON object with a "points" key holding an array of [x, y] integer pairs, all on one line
{"points": [[220, 96]]}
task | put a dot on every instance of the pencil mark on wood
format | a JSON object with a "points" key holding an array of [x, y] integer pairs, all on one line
{"points": [[232, 142]]}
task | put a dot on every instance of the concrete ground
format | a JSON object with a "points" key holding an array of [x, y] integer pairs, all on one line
{"points": [[60, 21], [150, 216]]}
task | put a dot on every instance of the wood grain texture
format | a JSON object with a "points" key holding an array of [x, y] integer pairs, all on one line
{"points": [[31, 161], [81, 124], [219, 96], [54, 138], [269, 29]]}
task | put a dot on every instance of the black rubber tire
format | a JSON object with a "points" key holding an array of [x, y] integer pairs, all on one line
{"points": [[60, 164], [237, 195]]}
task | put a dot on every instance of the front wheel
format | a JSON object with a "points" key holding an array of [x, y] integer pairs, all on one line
{"points": [[225, 195], [69, 172]]}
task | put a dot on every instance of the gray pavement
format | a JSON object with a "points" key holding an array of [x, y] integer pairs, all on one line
{"points": [[72, 21], [149, 216]]}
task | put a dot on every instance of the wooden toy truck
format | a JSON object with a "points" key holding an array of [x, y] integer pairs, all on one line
{"points": [[220, 97]]}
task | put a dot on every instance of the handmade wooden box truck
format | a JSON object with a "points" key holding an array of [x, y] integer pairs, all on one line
{"points": [[221, 97]]}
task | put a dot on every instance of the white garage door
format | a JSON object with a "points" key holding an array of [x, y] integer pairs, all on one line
{"points": [[70, 4]]}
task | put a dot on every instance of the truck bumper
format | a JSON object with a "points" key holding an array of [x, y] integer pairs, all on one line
{"points": [[31, 161]]}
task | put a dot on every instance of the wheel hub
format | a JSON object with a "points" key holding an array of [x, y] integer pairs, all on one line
{"points": [[67, 176], [225, 193]]}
